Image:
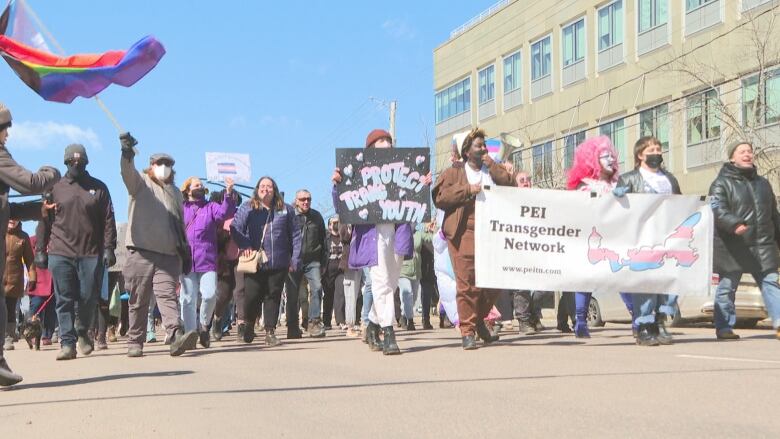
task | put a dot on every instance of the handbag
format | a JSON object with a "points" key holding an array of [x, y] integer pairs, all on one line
{"points": [[115, 306], [256, 258]]}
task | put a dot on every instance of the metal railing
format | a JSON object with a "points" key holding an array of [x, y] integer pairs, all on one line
{"points": [[479, 18]]}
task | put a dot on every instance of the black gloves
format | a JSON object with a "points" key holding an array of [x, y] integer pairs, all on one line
{"points": [[42, 260], [128, 142], [109, 258]]}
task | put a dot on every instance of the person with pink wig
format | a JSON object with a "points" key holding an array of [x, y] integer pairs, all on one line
{"points": [[595, 169]]}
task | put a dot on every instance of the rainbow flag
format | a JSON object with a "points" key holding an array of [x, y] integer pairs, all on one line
{"points": [[62, 79]]}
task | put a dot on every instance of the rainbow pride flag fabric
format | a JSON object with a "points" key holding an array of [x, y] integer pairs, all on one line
{"points": [[62, 79]]}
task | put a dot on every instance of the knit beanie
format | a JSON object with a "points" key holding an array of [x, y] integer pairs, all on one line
{"points": [[733, 147], [76, 151], [375, 135]]}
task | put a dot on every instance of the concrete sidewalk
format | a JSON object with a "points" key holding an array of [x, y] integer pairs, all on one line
{"points": [[546, 385]]}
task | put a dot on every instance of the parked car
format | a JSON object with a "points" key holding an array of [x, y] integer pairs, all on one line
{"points": [[608, 307]]}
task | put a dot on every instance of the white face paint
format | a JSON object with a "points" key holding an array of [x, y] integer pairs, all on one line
{"points": [[162, 172], [607, 161]]}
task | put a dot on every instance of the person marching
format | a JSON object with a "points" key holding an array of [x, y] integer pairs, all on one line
{"points": [[80, 237], [380, 248], [201, 220], [155, 253], [19, 255], [14, 176], [265, 229], [595, 170], [649, 177], [747, 232], [455, 192]]}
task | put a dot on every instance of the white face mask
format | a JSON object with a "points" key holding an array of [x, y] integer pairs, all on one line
{"points": [[162, 172]]}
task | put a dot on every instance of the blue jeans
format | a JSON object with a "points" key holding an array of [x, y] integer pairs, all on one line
{"points": [[191, 285], [368, 297], [725, 311], [408, 291], [314, 277], [76, 283], [647, 305]]}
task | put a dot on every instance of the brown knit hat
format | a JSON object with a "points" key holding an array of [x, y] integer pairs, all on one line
{"points": [[5, 115], [733, 147], [375, 135]]}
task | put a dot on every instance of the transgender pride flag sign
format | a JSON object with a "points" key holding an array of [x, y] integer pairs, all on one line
{"points": [[227, 164]]}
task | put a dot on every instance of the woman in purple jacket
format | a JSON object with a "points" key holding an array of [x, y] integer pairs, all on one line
{"points": [[201, 220], [266, 222]]}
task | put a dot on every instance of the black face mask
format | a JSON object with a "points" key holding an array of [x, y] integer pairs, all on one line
{"points": [[198, 194], [654, 160], [76, 170]]}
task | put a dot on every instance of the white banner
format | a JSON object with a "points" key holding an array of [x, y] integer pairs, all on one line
{"points": [[228, 164], [551, 240]]}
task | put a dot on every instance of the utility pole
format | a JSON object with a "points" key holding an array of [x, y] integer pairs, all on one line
{"points": [[393, 107]]}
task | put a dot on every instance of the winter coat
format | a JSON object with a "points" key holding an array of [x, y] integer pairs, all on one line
{"points": [[201, 220], [314, 237], [19, 254], [741, 196], [282, 242], [44, 285], [636, 183], [345, 234], [14, 176], [362, 247], [412, 268], [451, 194]]}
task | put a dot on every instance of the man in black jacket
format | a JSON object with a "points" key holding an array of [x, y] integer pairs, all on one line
{"points": [[314, 255], [747, 232], [81, 238]]}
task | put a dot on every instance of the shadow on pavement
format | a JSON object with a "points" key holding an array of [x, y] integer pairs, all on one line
{"points": [[90, 380]]}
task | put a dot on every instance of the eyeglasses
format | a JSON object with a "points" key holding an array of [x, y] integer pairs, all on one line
{"points": [[304, 199]]}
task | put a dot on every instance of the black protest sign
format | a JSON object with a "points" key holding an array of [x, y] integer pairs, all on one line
{"points": [[383, 185]]}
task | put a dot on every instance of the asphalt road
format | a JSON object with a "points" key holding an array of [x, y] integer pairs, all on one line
{"points": [[547, 385]]}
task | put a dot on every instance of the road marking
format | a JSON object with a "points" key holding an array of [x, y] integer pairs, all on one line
{"points": [[746, 360]]}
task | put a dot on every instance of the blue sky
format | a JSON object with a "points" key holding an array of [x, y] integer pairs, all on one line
{"points": [[286, 82]]}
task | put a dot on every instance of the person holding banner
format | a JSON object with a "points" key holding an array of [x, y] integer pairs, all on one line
{"points": [[202, 218], [266, 225], [455, 192], [747, 233], [381, 248], [650, 177], [595, 170]]}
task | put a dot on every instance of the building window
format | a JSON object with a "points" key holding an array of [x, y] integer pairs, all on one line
{"points": [[655, 122], [517, 159], [570, 143], [543, 160], [652, 13], [616, 132], [540, 59], [574, 43], [761, 102], [487, 84], [453, 100], [512, 72], [693, 4], [611, 25], [703, 117]]}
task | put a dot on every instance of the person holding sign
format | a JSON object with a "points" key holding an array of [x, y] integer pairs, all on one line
{"points": [[382, 248], [747, 232], [595, 170], [649, 177], [455, 192]]}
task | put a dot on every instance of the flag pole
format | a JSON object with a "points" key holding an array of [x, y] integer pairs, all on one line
{"points": [[61, 51]]}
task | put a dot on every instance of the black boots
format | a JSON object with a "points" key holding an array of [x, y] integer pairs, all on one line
{"points": [[426, 322], [7, 377], [372, 334], [485, 334], [469, 342], [646, 335], [663, 336], [389, 347]]}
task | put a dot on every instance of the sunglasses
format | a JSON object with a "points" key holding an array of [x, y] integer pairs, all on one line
{"points": [[304, 199]]}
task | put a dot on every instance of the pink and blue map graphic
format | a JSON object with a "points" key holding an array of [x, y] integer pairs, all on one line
{"points": [[677, 246]]}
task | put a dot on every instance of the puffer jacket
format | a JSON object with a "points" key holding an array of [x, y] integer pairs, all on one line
{"points": [[201, 220], [18, 255], [282, 242], [741, 196]]}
